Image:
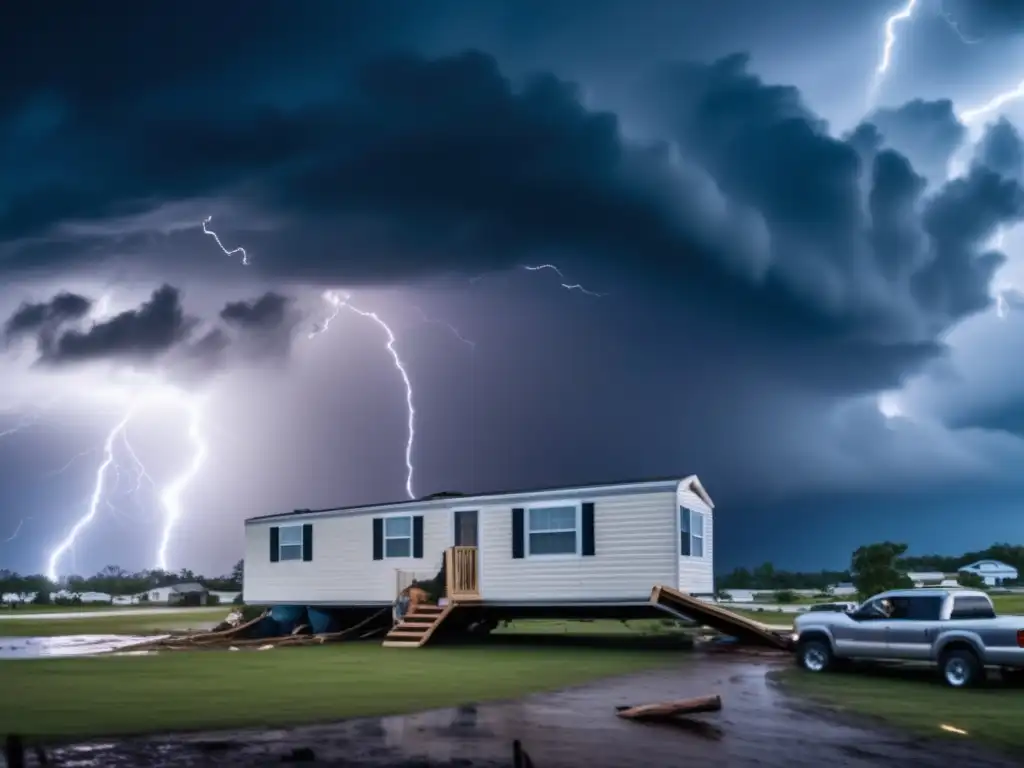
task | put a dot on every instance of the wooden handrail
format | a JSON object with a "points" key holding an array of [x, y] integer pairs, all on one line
{"points": [[461, 581]]}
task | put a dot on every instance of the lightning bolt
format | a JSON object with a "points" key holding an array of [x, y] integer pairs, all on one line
{"points": [[339, 301], [887, 50], [107, 473], [955, 26], [454, 331], [94, 501], [567, 286], [970, 116], [211, 233], [170, 498], [17, 530]]}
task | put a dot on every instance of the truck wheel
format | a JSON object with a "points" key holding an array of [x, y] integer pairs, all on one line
{"points": [[960, 668], [815, 655]]}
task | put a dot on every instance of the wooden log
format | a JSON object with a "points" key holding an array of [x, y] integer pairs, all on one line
{"points": [[669, 709]]}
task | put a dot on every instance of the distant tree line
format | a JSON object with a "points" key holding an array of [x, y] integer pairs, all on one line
{"points": [[114, 581], [766, 577]]}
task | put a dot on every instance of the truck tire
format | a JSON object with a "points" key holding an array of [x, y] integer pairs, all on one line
{"points": [[815, 655], [961, 668]]}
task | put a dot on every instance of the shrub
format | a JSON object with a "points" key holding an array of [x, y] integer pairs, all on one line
{"points": [[785, 596]]}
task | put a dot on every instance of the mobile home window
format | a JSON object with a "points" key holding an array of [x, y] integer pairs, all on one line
{"points": [[397, 537], [553, 531], [691, 533], [290, 542]]}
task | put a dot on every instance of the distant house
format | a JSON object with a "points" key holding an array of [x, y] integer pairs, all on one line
{"points": [[224, 597], [189, 593], [992, 572]]}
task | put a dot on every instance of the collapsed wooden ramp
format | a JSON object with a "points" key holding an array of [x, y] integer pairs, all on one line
{"points": [[716, 617]]}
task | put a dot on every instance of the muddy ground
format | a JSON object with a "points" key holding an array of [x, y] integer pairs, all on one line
{"points": [[758, 726]]}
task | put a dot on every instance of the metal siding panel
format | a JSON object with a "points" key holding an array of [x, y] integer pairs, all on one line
{"points": [[635, 545], [344, 570]]}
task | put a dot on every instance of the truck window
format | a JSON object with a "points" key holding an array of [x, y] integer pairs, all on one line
{"points": [[972, 607], [914, 608]]}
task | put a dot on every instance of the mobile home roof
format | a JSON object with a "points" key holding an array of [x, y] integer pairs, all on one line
{"points": [[447, 499]]}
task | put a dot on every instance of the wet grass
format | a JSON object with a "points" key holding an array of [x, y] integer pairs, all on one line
{"points": [[915, 699], [126, 624], [69, 698]]}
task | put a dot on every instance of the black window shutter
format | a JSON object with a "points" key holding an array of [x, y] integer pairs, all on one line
{"points": [[684, 531], [587, 532], [275, 549], [307, 542], [417, 536], [378, 538], [518, 549]]}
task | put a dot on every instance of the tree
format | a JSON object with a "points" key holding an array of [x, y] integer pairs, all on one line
{"points": [[971, 580], [874, 568], [238, 574]]}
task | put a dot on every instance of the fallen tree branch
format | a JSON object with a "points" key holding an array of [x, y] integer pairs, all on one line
{"points": [[670, 709]]}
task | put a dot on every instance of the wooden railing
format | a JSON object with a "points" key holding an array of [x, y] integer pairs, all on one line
{"points": [[461, 570]]}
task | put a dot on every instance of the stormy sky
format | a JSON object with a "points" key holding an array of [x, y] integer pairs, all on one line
{"points": [[781, 257]]}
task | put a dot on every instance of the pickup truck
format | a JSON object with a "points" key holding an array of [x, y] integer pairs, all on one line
{"points": [[957, 629]]}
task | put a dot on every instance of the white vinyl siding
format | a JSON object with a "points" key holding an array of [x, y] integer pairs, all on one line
{"points": [[553, 530], [635, 548], [397, 537], [289, 542], [695, 531], [343, 572]]}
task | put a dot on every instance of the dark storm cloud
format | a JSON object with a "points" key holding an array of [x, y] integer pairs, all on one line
{"points": [[139, 334], [766, 149], [927, 132], [982, 19], [266, 324], [160, 333], [33, 318], [1001, 150], [446, 165], [265, 313]]}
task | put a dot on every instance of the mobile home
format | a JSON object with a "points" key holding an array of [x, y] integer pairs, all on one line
{"points": [[599, 544]]}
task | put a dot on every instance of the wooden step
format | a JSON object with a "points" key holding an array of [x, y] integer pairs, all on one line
{"points": [[416, 628]]}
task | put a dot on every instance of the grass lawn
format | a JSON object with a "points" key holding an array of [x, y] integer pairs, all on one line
{"points": [[917, 701], [67, 698], [127, 624]]}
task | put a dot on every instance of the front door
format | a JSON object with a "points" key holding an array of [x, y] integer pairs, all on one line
{"points": [[466, 528]]}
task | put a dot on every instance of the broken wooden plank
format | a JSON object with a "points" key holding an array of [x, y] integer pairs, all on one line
{"points": [[670, 709]]}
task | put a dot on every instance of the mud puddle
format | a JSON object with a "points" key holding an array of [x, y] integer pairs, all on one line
{"points": [[66, 645], [758, 726]]}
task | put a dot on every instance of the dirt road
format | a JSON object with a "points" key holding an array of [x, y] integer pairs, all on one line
{"points": [[758, 726]]}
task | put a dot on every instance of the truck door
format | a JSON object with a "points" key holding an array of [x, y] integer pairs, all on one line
{"points": [[862, 634], [911, 629]]}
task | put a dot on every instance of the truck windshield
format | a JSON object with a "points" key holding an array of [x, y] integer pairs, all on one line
{"points": [[972, 607]]}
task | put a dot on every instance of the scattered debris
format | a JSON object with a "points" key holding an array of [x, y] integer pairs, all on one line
{"points": [[954, 729], [668, 710], [234, 639]]}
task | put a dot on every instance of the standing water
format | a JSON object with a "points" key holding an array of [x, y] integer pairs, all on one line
{"points": [[67, 645]]}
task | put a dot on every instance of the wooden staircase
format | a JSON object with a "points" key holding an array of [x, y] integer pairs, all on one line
{"points": [[417, 626]]}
